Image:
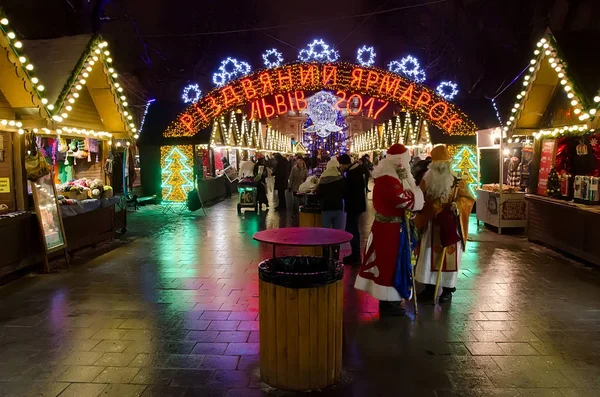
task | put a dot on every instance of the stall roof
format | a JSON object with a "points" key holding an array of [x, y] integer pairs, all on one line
{"points": [[56, 60], [80, 83], [19, 98], [560, 85]]}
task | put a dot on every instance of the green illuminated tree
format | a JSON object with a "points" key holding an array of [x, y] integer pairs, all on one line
{"points": [[177, 177]]}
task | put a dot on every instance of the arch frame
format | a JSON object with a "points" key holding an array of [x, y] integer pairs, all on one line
{"points": [[289, 83]]}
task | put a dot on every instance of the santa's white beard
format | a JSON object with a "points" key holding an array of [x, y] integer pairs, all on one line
{"points": [[438, 180]]}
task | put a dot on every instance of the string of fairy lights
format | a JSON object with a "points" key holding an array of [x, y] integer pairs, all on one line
{"points": [[547, 51], [316, 52], [97, 55], [406, 128]]}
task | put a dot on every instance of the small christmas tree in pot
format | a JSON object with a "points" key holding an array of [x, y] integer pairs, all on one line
{"points": [[553, 185]]}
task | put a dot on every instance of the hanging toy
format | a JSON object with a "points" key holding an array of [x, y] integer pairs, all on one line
{"points": [[581, 149], [66, 161]]}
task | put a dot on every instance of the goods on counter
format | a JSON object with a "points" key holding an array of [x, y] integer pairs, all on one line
{"points": [[495, 187], [81, 189]]}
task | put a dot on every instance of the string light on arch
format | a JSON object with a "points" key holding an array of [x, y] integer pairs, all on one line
{"points": [[191, 93], [318, 51], [272, 58], [366, 56], [447, 90]]}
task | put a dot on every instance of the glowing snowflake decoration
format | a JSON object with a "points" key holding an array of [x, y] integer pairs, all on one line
{"points": [[408, 67], [418, 76], [191, 93], [366, 56], [318, 51], [447, 90], [230, 69], [322, 111], [272, 58]]}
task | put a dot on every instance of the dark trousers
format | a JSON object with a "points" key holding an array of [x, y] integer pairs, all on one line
{"points": [[281, 196], [352, 228]]}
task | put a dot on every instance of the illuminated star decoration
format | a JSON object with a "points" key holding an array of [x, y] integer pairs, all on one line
{"points": [[272, 58], [230, 69], [191, 93], [408, 67], [322, 111], [318, 51], [447, 90], [366, 56]]}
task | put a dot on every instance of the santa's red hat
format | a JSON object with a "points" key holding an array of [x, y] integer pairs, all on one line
{"points": [[399, 154]]}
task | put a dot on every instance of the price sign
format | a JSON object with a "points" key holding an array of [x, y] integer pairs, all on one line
{"points": [[4, 185]]}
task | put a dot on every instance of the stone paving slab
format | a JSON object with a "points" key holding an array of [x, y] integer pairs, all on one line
{"points": [[173, 311]]}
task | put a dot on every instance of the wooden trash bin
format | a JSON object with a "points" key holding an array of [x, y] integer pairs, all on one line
{"points": [[301, 327], [310, 217]]}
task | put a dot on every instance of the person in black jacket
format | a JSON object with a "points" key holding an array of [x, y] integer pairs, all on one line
{"points": [[355, 204], [330, 191], [281, 173], [260, 176], [420, 168]]}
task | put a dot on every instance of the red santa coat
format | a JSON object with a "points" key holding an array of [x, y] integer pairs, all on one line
{"points": [[391, 199]]}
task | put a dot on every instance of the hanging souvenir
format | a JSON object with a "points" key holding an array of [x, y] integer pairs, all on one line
{"points": [[62, 145], [582, 149], [93, 145]]}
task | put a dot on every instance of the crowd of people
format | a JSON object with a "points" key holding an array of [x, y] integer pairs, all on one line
{"points": [[421, 217]]}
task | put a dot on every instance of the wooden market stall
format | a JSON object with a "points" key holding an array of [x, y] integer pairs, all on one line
{"points": [[21, 107], [90, 147], [62, 97], [501, 194], [558, 107]]}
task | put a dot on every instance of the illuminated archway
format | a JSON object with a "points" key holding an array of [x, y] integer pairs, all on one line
{"points": [[271, 92]]}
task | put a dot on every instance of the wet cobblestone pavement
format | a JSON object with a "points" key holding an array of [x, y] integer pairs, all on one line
{"points": [[174, 312]]}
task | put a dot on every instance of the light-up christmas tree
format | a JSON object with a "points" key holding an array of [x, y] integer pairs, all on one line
{"points": [[176, 176], [465, 163]]}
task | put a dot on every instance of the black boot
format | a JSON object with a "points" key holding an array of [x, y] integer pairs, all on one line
{"points": [[446, 295], [391, 309], [427, 294]]}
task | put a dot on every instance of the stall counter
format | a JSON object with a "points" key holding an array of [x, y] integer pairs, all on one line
{"points": [[565, 226], [502, 210]]}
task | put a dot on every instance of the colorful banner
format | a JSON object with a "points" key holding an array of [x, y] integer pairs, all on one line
{"points": [[546, 163]]}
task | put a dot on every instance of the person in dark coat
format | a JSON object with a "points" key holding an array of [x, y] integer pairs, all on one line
{"points": [[367, 167], [281, 173], [330, 191], [355, 203], [261, 184], [420, 168]]}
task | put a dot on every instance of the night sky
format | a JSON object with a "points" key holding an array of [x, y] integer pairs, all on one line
{"points": [[480, 44]]}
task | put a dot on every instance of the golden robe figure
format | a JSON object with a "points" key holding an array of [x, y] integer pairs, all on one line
{"points": [[443, 192]]}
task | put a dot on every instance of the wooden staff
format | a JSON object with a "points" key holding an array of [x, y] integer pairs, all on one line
{"points": [[439, 277], [412, 265]]}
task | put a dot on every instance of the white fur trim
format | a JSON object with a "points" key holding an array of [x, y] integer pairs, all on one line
{"points": [[377, 291], [403, 158], [385, 168], [419, 199]]}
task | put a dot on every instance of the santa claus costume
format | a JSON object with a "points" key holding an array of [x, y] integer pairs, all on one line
{"points": [[444, 218], [385, 272]]}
